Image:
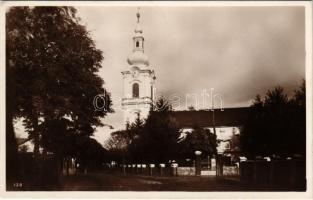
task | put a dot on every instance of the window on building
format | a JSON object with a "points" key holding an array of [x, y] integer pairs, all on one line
{"points": [[137, 44], [135, 90]]}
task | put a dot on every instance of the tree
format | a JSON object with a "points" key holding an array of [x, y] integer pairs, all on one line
{"points": [[298, 120], [158, 138], [52, 66], [23, 148], [276, 125], [119, 140], [55, 136], [199, 140], [90, 154], [162, 106], [191, 108], [123, 144], [118, 145], [134, 134]]}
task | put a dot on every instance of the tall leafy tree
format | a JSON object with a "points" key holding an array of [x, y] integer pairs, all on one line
{"points": [[134, 133], [118, 145], [51, 66], [276, 125], [298, 119], [119, 140], [199, 140], [158, 141]]}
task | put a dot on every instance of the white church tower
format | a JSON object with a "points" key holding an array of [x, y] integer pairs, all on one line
{"points": [[138, 80]]}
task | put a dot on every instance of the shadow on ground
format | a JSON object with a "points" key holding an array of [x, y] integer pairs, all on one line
{"points": [[129, 182]]}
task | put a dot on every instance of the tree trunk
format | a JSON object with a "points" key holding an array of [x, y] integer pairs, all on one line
{"points": [[37, 168], [59, 169], [36, 138], [67, 166], [11, 149], [12, 165]]}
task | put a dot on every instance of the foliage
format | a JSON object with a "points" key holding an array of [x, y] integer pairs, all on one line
{"points": [[89, 153], [199, 140], [235, 142], [56, 136], [276, 125], [118, 145], [119, 140], [51, 70], [161, 134], [23, 148], [60, 136], [191, 108], [153, 140]]}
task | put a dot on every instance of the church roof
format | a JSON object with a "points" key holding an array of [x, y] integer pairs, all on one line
{"points": [[203, 118], [138, 57]]}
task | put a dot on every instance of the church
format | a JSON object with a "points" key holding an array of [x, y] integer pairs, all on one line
{"points": [[139, 94]]}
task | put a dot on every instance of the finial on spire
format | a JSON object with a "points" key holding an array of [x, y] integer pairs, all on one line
{"points": [[138, 14]]}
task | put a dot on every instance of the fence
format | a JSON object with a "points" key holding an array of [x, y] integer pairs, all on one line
{"points": [[286, 173], [166, 170], [169, 170], [143, 169], [230, 171]]}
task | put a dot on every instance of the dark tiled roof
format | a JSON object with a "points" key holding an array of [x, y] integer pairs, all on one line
{"points": [[203, 118]]}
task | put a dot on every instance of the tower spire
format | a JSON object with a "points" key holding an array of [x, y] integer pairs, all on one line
{"points": [[138, 57], [138, 14], [138, 28]]}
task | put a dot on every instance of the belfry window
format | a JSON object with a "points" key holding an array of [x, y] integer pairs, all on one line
{"points": [[135, 90], [137, 44]]}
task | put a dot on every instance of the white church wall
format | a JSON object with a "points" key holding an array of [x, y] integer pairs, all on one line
{"points": [[226, 132]]}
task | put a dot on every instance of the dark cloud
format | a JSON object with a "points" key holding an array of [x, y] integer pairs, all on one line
{"points": [[238, 51]]}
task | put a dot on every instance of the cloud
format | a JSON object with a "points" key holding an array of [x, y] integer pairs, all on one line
{"points": [[238, 51]]}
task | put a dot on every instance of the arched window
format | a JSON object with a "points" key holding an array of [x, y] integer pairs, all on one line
{"points": [[135, 90], [137, 44]]}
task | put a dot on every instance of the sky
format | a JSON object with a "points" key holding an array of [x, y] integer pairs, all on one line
{"points": [[238, 51]]}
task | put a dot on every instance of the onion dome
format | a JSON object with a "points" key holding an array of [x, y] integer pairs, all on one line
{"points": [[138, 57]]}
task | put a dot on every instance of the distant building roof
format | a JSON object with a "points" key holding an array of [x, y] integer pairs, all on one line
{"points": [[203, 118]]}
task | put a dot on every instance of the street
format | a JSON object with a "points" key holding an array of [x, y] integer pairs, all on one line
{"points": [[119, 182]]}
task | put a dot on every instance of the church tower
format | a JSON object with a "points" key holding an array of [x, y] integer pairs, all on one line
{"points": [[139, 78]]}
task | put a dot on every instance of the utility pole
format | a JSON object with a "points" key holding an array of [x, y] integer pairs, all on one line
{"points": [[213, 117], [217, 157]]}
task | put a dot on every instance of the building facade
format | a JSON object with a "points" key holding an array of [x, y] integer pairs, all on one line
{"points": [[138, 80], [227, 122]]}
